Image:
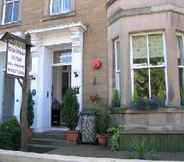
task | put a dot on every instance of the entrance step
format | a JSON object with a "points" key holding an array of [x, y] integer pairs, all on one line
{"points": [[47, 141]]}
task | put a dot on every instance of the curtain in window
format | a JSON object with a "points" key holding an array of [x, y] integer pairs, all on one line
{"points": [[16, 11], [11, 11], [61, 6], [56, 6], [8, 12], [67, 5]]}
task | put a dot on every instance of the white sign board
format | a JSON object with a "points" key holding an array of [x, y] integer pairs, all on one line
{"points": [[16, 60]]}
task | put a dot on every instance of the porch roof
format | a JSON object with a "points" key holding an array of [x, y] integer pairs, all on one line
{"points": [[59, 27]]}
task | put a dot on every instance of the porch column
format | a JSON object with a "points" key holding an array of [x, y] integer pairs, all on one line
{"points": [[77, 62]]}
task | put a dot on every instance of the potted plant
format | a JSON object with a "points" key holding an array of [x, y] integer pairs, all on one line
{"points": [[102, 125], [30, 115], [71, 115]]}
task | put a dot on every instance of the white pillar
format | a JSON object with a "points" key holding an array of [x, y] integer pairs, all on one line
{"points": [[77, 62]]}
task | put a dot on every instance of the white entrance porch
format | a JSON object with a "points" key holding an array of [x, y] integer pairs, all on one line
{"points": [[46, 69]]}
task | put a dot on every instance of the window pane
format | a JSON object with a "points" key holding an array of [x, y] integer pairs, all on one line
{"points": [[158, 83], [8, 12], [181, 82], [141, 86], [117, 54], [63, 57], [156, 49], [16, 11], [56, 6], [67, 5], [139, 50], [180, 51]]}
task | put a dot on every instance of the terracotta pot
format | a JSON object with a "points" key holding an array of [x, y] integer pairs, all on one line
{"points": [[102, 139], [72, 136], [29, 134]]}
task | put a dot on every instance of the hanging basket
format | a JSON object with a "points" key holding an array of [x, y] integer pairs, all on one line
{"points": [[96, 64]]}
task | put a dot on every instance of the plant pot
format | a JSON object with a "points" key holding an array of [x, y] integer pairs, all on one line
{"points": [[29, 134], [72, 136], [102, 139]]}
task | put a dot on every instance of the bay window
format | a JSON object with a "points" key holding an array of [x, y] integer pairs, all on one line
{"points": [[180, 57], [60, 6], [148, 66], [10, 11]]}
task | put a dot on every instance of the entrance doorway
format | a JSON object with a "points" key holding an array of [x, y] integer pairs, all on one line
{"points": [[61, 82]]}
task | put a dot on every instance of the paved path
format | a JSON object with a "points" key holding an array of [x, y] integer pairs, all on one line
{"points": [[12, 156], [104, 152]]}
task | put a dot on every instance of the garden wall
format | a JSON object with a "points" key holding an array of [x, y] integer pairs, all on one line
{"points": [[161, 131], [163, 120]]}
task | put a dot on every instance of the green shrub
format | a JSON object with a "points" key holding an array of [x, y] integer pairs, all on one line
{"points": [[116, 99], [103, 120], [30, 112], [10, 135], [140, 149], [71, 109], [115, 137]]}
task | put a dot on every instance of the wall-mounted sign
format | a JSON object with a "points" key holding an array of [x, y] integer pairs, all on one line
{"points": [[16, 54]]}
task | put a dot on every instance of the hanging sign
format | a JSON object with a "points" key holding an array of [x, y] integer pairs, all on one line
{"points": [[16, 55]]}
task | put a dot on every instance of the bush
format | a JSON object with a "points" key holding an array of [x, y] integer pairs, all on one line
{"points": [[116, 99], [115, 137], [30, 110], [103, 120], [10, 135], [147, 104], [71, 109]]}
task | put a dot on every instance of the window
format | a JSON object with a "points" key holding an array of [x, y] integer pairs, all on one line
{"points": [[11, 11], [148, 66], [180, 57], [116, 52], [63, 57], [60, 6]]}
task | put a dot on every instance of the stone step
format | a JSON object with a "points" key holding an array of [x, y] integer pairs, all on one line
{"points": [[49, 141], [52, 135]]}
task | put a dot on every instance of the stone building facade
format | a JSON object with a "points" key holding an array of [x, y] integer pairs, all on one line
{"points": [[145, 50], [67, 36]]}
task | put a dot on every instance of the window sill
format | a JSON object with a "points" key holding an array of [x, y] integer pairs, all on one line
{"points": [[60, 16], [10, 25], [159, 111]]}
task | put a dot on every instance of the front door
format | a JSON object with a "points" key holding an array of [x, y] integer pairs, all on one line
{"points": [[61, 81]]}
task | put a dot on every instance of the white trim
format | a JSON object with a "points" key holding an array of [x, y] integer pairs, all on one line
{"points": [[59, 27], [166, 68], [148, 66], [117, 71]]}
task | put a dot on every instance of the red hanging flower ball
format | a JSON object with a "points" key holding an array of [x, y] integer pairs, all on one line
{"points": [[96, 63]]}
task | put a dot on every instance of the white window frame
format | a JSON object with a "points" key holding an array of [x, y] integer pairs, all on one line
{"points": [[134, 67], [180, 66], [4, 11], [182, 35], [116, 61], [62, 10]]}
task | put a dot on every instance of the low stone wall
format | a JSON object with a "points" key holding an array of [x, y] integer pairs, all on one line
{"points": [[12, 156], [163, 120]]}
